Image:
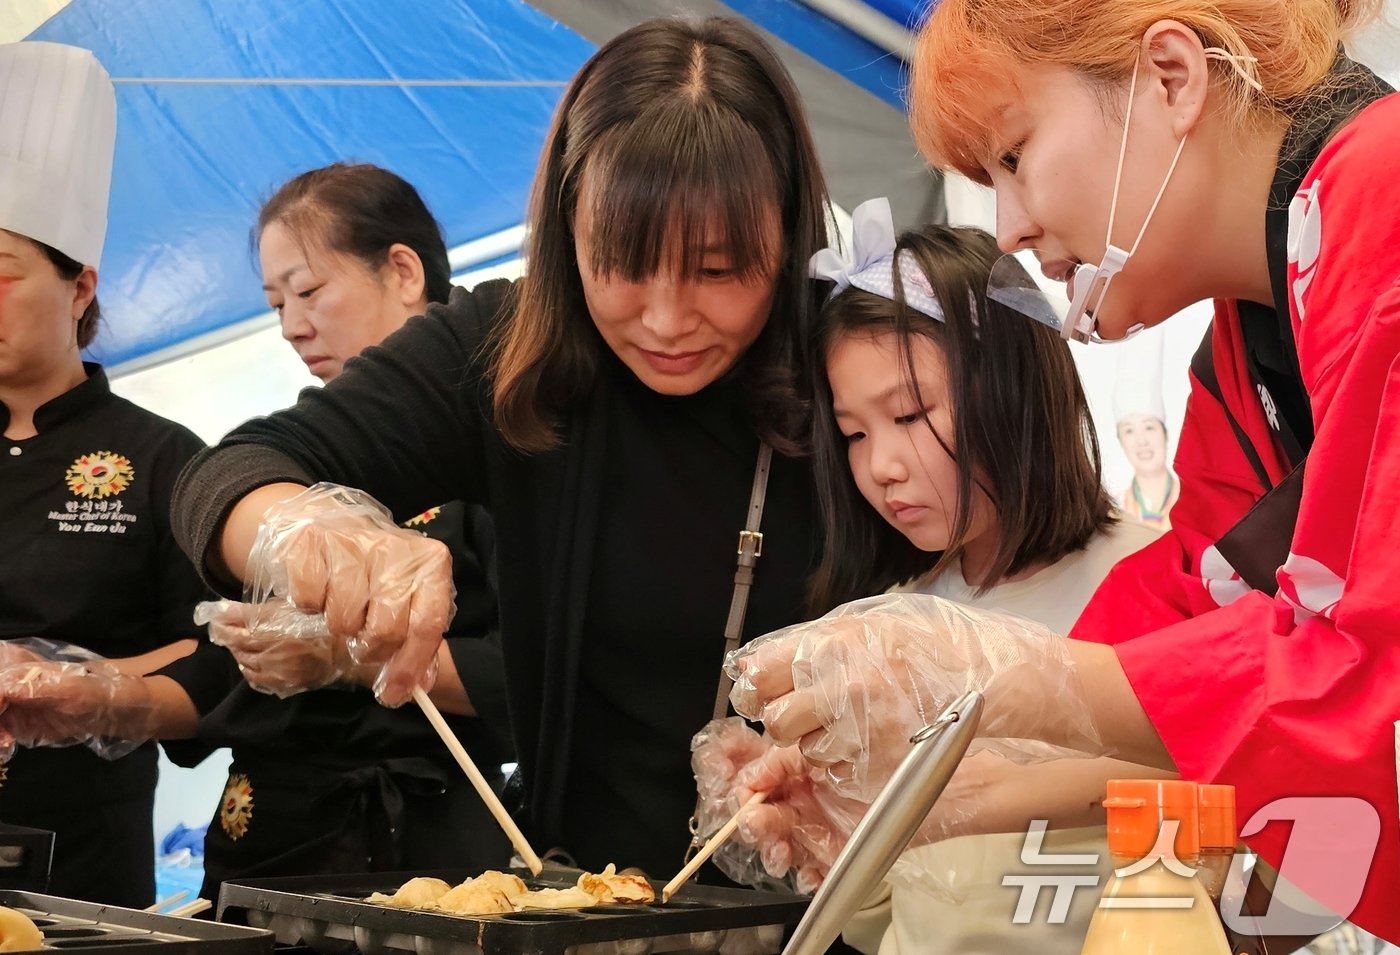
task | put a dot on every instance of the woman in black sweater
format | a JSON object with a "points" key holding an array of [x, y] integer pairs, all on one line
{"points": [[608, 411]]}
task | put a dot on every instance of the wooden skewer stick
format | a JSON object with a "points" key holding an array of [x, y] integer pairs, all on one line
{"points": [[708, 849], [168, 900], [191, 908], [483, 788]]}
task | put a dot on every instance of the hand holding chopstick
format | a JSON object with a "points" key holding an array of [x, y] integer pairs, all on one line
{"points": [[483, 788], [717, 840]]}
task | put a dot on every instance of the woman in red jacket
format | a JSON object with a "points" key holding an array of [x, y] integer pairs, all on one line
{"points": [[1155, 154]]}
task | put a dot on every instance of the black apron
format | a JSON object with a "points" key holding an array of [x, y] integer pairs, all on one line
{"points": [[282, 817]]}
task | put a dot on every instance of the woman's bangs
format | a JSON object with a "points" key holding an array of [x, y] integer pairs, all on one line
{"points": [[960, 81], [678, 186]]}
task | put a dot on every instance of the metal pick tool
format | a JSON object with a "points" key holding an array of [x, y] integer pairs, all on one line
{"points": [[888, 825]]}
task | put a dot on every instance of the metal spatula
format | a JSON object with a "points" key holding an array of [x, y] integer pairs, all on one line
{"points": [[888, 825]]}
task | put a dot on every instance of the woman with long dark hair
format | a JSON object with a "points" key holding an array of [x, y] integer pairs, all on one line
{"points": [[611, 410]]}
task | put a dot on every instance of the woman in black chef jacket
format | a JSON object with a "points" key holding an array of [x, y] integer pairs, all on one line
{"points": [[85, 477], [609, 411], [327, 781]]}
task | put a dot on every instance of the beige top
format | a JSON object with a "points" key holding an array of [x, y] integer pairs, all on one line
{"points": [[973, 911]]}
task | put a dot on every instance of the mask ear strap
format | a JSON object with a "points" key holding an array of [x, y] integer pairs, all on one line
{"points": [[1245, 67], [1160, 192], [1118, 175], [1122, 153]]}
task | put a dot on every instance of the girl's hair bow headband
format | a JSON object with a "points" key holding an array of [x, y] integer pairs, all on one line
{"points": [[871, 263]]}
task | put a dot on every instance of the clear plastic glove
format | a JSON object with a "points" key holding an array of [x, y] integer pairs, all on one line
{"points": [[56, 694], [282, 650], [854, 685], [385, 592], [792, 839]]}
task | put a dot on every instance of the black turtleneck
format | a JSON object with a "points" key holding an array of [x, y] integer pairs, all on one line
{"points": [[616, 555]]}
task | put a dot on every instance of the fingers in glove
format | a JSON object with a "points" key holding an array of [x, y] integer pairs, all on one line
{"points": [[430, 612], [779, 768], [762, 671], [348, 586], [305, 566], [795, 715]]}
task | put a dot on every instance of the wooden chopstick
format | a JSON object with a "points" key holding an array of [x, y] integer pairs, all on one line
{"points": [[168, 900], [717, 840], [483, 788], [191, 908]]}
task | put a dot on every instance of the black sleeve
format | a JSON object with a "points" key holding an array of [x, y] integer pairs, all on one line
{"points": [[404, 422], [481, 666], [474, 638], [179, 585], [207, 675]]}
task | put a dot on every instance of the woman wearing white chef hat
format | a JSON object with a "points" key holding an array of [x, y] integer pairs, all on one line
{"points": [[1140, 419], [88, 570]]}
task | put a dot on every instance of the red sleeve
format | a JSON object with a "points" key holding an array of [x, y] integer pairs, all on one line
{"points": [[1297, 695], [1180, 576]]}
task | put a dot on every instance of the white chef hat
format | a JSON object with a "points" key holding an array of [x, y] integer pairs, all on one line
{"points": [[58, 130], [1137, 380]]}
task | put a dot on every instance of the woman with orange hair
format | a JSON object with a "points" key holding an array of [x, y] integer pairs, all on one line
{"points": [[1155, 153]]}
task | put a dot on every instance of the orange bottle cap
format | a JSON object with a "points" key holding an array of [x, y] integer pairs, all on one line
{"points": [[1216, 805], [1137, 809]]}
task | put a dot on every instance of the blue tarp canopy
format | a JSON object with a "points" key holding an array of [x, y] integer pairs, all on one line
{"points": [[219, 103]]}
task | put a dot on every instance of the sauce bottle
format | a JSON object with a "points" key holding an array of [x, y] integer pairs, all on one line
{"points": [[1216, 808], [1155, 902]]}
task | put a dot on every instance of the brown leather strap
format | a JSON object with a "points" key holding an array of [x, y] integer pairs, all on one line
{"points": [[750, 549]]}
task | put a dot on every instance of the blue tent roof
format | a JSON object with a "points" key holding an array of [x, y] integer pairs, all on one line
{"points": [[218, 104], [907, 13]]}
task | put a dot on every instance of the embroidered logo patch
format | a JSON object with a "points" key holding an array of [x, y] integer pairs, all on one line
{"points": [[101, 474], [428, 515], [236, 809]]}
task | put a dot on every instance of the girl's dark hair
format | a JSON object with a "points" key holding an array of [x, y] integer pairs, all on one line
{"points": [[680, 127], [69, 269], [361, 210], [1021, 427]]}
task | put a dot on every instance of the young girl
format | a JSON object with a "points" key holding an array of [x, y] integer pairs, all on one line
{"points": [[1159, 154], [956, 457]]}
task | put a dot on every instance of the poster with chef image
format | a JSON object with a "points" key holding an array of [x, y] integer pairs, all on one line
{"points": [[1140, 429], [1137, 391]]}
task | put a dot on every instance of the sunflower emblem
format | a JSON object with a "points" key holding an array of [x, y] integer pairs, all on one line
{"points": [[236, 809], [100, 474], [423, 518]]}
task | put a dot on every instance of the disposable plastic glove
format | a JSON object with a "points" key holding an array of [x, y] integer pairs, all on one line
{"points": [[282, 650], [853, 686], [57, 694], [385, 592], [787, 842]]}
